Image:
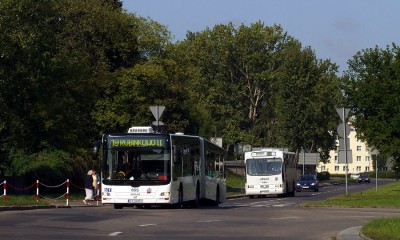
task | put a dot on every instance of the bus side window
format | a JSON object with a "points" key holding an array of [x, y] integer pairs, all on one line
{"points": [[176, 155]]}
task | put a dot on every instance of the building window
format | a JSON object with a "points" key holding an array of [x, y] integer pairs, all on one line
{"points": [[322, 168], [358, 148], [344, 168], [367, 158], [367, 169], [358, 158], [358, 168], [336, 159], [336, 168], [367, 148]]}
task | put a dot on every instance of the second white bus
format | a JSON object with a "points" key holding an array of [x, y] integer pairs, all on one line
{"points": [[270, 171]]}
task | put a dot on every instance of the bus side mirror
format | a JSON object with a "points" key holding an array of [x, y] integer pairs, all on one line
{"points": [[95, 150]]}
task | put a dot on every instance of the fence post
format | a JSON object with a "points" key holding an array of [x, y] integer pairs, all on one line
{"points": [[37, 190], [67, 191], [5, 190]]}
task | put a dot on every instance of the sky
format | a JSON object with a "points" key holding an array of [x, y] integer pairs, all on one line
{"points": [[334, 29]]}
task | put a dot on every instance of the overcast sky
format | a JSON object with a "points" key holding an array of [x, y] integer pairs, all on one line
{"points": [[335, 29]]}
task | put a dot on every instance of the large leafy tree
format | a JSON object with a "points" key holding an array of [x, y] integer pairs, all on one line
{"points": [[305, 98], [155, 79], [56, 59], [260, 87], [236, 66], [371, 87]]}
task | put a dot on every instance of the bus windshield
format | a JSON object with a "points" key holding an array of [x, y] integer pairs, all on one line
{"points": [[263, 166], [138, 164]]}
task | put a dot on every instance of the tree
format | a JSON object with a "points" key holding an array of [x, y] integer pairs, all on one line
{"points": [[371, 88], [236, 67], [260, 87], [57, 59], [305, 99]]}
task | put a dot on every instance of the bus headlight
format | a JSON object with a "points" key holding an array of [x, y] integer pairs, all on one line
{"points": [[165, 194], [250, 186]]}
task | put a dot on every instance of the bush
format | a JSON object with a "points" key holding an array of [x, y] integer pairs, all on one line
{"points": [[383, 174], [323, 176]]}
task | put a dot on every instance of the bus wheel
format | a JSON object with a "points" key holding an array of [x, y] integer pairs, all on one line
{"points": [[217, 197], [251, 196], [287, 193], [197, 200], [118, 206], [180, 197], [294, 190]]}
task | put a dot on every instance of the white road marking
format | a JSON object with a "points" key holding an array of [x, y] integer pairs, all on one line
{"points": [[208, 221], [114, 234], [146, 225], [282, 218]]}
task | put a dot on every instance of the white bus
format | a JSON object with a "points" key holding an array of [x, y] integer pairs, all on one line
{"points": [[142, 168], [270, 171]]}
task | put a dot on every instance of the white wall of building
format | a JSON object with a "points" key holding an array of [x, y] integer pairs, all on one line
{"points": [[361, 156]]}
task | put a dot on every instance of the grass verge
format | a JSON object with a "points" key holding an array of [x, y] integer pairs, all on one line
{"points": [[234, 183], [382, 229], [387, 196], [30, 200]]}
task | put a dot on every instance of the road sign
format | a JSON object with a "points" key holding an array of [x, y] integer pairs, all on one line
{"points": [[309, 158], [157, 111], [341, 130], [343, 113], [342, 143], [344, 156]]}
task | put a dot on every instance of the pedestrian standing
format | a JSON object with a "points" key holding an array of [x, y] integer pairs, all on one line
{"points": [[88, 182]]}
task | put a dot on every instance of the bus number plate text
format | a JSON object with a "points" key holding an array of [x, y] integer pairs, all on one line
{"points": [[135, 200]]}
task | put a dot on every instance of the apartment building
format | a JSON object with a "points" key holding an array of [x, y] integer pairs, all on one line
{"points": [[361, 158]]}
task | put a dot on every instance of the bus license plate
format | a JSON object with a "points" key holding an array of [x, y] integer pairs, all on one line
{"points": [[135, 200], [264, 191]]}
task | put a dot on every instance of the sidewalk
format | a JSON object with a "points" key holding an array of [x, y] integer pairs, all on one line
{"points": [[353, 233]]}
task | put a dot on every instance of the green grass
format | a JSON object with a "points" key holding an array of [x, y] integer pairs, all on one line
{"points": [[387, 196], [382, 229], [234, 180], [30, 200], [234, 183]]}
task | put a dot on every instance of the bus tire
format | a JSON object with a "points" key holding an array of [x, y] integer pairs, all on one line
{"points": [[287, 192], [197, 199], [118, 206], [217, 197], [180, 197], [293, 192]]}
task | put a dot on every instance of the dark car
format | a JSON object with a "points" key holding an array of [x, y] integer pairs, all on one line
{"points": [[307, 182], [364, 177]]}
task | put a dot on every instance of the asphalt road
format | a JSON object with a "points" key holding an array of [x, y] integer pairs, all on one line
{"points": [[238, 218]]}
